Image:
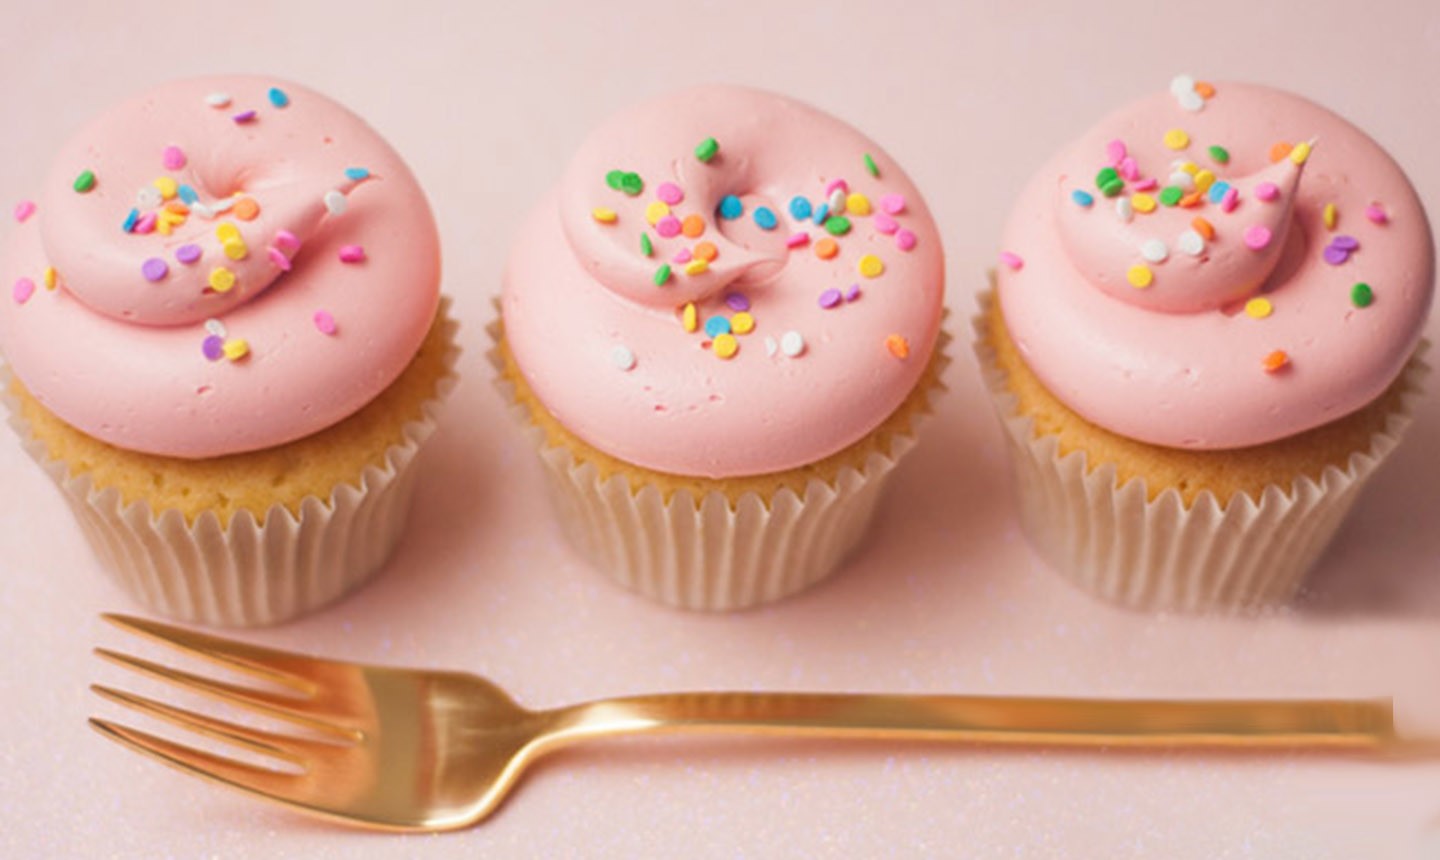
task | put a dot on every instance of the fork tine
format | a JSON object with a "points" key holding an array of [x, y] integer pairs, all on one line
{"points": [[272, 784], [289, 708], [280, 667]]}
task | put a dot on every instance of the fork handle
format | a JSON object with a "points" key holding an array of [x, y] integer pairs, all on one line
{"points": [[1354, 723]]}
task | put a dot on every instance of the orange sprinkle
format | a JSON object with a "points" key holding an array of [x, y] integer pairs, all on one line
{"points": [[826, 248], [1279, 151], [1204, 228], [177, 207], [693, 226], [246, 209], [1276, 360], [1204, 90], [706, 251], [898, 346], [1192, 199]]}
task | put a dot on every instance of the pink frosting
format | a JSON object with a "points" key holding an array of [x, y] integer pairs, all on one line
{"points": [[120, 353], [605, 349], [1181, 362]]}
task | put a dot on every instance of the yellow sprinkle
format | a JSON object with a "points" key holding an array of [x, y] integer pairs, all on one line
{"points": [[1142, 203], [655, 211], [1176, 138], [225, 231], [689, 317], [742, 323], [1140, 276], [857, 204], [1190, 168], [221, 279], [236, 349], [163, 227], [52, 277], [871, 266], [603, 215], [235, 249], [1204, 179], [1300, 152], [725, 346], [697, 267], [1258, 308], [167, 187], [1332, 216]]}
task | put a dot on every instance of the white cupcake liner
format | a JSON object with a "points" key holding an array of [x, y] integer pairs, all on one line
{"points": [[1160, 554], [253, 572], [709, 554]]}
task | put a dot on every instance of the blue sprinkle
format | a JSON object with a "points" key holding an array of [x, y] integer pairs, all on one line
{"points": [[716, 326], [799, 208], [731, 207], [1082, 198], [278, 97], [1217, 191], [357, 173], [822, 213], [188, 195], [765, 218], [130, 220]]}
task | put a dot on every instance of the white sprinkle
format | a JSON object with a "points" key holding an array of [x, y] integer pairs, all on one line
{"points": [[202, 210], [792, 343], [1154, 250], [1191, 243], [1182, 84], [1124, 209], [218, 100], [215, 327], [1183, 180], [837, 202], [771, 347], [335, 202], [1191, 101], [225, 205], [148, 197], [622, 357]]}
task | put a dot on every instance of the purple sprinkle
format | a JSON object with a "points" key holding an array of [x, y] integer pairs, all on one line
{"points": [[244, 117], [737, 302], [213, 347], [830, 298], [1335, 256], [188, 254], [1345, 243], [853, 293], [154, 269]]}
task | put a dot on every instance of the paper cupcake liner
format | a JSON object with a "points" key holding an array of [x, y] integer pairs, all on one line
{"points": [[253, 572], [1115, 543], [709, 553]]}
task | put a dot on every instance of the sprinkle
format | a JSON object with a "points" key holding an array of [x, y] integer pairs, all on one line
{"points": [[24, 209], [85, 182], [235, 249], [1083, 199], [1124, 209], [1115, 152], [1183, 180], [706, 251], [821, 213], [1176, 138], [725, 346], [188, 195], [1204, 179], [689, 318], [167, 187], [707, 149], [1139, 276], [765, 218], [797, 239], [1332, 216], [837, 225], [324, 322], [892, 204], [278, 98], [352, 253], [1170, 195], [218, 100], [662, 275], [1278, 151], [1191, 242], [1361, 295], [188, 254], [146, 224], [1376, 213], [1011, 260], [236, 349], [222, 280], [1109, 182], [884, 224], [1259, 308], [603, 215], [1346, 243], [1147, 184], [870, 166], [1182, 84], [1230, 199], [226, 204], [22, 291], [1217, 192], [287, 241], [898, 346], [244, 117], [246, 209], [742, 323], [655, 210], [684, 255], [905, 239], [1154, 250], [356, 174], [836, 185], [1300, 153], [826, 248], [1129, 169], [213, 347], [871, 266], [737, 302], [668, 227], [615, 178], [646, 246], [669, 193], [837, 201], [1220, 154], [1143, 203], [215, 327], [631, 184], [51, 278], [277, 258], [1206, 91], [130, 221], [1257, 236], [792, 343], [335, 202], [853, 293], [622, 358], [1191, 101], [1335, 256], [771, 346], [693, 226], [830, 298], [1275, 361], [1267, 192], [173, 157], [800, 208], [154, 269]]}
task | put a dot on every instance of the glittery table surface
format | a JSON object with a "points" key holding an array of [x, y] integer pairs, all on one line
{"points": [[486, 101]]}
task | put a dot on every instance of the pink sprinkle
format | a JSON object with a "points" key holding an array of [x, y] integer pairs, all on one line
{"points": [[287, 241], [683, 256], [894, 204], [1257, 236], [837, 183], [278, 258], [23, 290], [1129, 170], [325, 322], [1146, 185], [1115, 152], [1012, 260], [669, 193], [669, 226], [797, 239], [1267, 191], [905, 240], [1230, 200], [173, 157], [146, 224], [24, 209], [352, 253], [1376, 213], [884, 223]]}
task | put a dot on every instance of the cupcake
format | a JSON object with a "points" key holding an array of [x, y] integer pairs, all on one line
{"points": [[225, 343], [1203, 341], [722, 328]]}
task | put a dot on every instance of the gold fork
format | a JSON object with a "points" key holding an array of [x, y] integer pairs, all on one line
{"points": [[406, 749]]}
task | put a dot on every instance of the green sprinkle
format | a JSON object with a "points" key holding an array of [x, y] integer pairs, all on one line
{"points": [[1361, 296], [85, 181], [1170, 195], [632, 184], [662, 275], [1113, 187], [614, 179], [1105, 177], [871, 166], [706, 149], [837, 226], [646, 247], [1220, 154]]}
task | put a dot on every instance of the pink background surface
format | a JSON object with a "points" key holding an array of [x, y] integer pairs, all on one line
{"points": [[486, 103]]}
